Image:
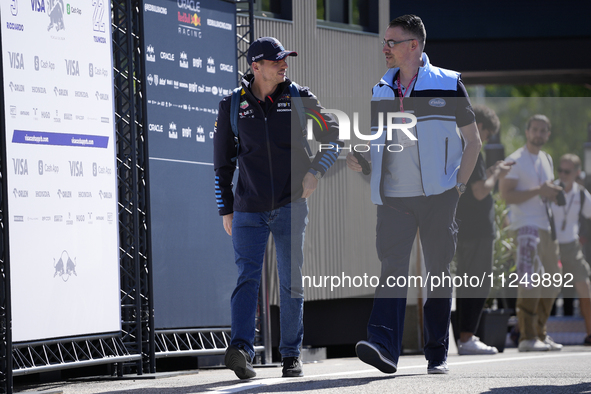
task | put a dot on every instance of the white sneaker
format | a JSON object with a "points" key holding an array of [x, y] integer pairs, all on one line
{"points": [[475, 346], [553, 345], [533, 345]]}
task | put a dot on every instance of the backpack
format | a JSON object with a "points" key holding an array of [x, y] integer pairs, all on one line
{"points": [[296, 100]]}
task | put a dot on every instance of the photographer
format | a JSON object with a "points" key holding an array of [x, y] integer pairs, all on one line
{"points": [[528, 190]]}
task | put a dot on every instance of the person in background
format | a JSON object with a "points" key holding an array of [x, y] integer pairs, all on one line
{"points": [[528, 190], [567, 219], [476, 235]]}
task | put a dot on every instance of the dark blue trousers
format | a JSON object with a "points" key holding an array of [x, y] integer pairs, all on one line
{"points": [[398, 220]]}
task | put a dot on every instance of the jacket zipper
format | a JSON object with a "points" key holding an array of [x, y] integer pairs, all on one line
{"points": [[417, 131], [445, 165], [267, 137], [412, 94], [270, 164]]}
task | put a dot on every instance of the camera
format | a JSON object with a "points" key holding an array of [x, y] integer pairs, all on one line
{"points": [[365, 166], [560, 198]]}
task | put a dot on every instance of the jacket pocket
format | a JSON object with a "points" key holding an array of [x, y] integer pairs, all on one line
{"points": [[445, 164]]}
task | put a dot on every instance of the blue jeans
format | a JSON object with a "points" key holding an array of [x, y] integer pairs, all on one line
{"points": [[398, 220], [250, 233]]}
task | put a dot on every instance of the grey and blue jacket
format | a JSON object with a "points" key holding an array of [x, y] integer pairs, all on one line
{"points": [[440, 103]]}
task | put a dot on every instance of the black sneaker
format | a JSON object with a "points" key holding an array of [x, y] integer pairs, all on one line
{"points": [[239, 361], [376, 356], [292, 367], [437, 367]]}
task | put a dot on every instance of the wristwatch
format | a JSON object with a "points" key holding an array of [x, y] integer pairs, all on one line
{"points": [[317, 174], [461, 187]]}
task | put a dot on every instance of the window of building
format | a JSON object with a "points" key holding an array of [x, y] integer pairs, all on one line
{"points": [[359, 15], [274, 9]]}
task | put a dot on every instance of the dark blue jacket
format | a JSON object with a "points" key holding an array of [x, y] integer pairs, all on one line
{"points": [[272, 160]]}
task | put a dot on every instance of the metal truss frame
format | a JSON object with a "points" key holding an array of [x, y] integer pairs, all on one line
{"points": [[137, 304], [44, 356], [194, 342], [5, 313], [244, 32]]}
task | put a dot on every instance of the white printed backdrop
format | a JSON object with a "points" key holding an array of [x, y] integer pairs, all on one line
{"points": [[60, 147]]}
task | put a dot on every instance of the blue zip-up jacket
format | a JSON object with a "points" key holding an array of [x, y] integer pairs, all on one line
{"points": [[272, 160], [439, 102]]}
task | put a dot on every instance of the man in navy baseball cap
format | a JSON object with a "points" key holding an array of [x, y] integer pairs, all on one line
{"points": [[276, 177], [267, 48]]}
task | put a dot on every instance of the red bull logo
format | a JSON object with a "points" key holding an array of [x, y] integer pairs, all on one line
{"points": [[194, 19], [64, 266]]}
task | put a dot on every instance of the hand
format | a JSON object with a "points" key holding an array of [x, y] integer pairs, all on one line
{"points": [[310, 183], [502, 168], [227, 220], [352, 162], [549, 190]]}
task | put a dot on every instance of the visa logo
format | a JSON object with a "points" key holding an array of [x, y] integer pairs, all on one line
{"points": [[76, 168], [72, 67], [16, 60], [38, 5], [20, 166]]}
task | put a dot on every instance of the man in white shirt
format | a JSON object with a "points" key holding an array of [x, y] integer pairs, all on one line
{"points": [[528, 189], [566, 218]]}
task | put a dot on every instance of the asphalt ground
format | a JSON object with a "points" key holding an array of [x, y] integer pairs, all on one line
{"points": [[566, 371]]}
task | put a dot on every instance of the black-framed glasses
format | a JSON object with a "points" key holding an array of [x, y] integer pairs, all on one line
{"points": [[564, 171], [391, 43]]}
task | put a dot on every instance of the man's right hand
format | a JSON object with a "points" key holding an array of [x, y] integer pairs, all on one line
{"points": [[549, 190], [353, 163], [227, 220]]}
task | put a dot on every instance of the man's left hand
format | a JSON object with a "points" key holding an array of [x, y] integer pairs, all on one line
{"points": [[310, 183]]}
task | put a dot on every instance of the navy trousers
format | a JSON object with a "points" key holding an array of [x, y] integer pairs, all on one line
{"points": [[398, 220]]}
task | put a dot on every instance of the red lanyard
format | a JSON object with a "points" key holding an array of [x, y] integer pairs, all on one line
{"points": [[402, 95]]}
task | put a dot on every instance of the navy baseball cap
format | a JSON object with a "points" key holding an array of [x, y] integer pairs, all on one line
{"points": [[267, 48]]}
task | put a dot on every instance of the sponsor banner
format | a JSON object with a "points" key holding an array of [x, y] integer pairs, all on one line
{"points": [[58, 98], [190, 63], [59, 139], [190, 58]]}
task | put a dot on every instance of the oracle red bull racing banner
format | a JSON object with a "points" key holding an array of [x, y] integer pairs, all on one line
{"points": [[61, 170]]}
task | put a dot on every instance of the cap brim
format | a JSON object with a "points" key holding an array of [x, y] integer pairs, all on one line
{"points": [[282, 55]]}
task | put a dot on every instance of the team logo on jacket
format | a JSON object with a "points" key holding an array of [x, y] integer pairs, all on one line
{"points": [[244, 104], [437, 102]]}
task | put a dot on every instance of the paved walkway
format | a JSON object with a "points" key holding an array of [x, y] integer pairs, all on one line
{"points": [[567, 371]]}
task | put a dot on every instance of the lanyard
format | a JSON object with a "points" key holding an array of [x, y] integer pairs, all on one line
{"points": [[563, 227], [401, 96]]}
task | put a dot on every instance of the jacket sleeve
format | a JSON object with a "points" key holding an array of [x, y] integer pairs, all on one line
{"points": [[326, 132], [224, 149]]}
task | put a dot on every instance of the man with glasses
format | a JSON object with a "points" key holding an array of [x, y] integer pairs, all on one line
{"points": [[528, 189], [416, 187], [567, 219]]}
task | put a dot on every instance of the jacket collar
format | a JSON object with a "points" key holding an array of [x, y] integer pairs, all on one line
{"points": [[388, 78], [247, 82]]}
